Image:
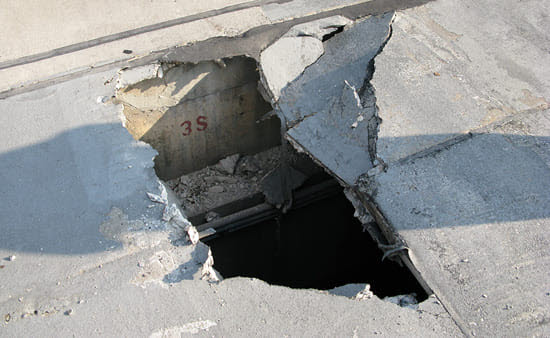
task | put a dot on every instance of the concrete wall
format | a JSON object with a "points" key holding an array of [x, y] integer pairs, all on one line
{"points": [[197, 114]]}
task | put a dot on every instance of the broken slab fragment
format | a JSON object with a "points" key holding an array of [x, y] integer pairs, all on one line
{"points": [[329, 110], [295, 53]]}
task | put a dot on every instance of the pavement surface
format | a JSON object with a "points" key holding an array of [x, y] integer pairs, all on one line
{"points": [[458, 165]]}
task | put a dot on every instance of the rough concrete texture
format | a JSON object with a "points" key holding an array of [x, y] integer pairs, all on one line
{"points": [[323, 109], [94, 254], [471, 208], [196, 114], [475, 218], [93, 257], [87, 252]]}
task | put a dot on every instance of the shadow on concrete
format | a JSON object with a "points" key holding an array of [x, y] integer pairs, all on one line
{"points": [[489, 178], [54, 195]]}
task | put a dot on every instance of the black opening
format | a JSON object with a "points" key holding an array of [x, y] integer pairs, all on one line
{"points": [[333, 33], [321, 246]]}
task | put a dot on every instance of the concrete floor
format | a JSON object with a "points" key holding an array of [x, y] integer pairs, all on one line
{"points": [[459, 173]]}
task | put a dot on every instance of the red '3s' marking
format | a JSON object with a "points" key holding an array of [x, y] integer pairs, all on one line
{"points": [[201, 121]]}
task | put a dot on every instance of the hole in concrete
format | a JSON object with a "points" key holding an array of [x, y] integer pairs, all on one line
{"points": [[197, 114], [320, 245], [333, 33]]}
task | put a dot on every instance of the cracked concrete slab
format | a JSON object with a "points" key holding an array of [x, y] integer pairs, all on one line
{"points": [[475, 219], [471, 213], [464, 137], [322, 109]]}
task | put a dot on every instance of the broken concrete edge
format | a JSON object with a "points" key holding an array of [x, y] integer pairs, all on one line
{"points": [[388, 240], [303, 44], [173, 215], [249, 43]]}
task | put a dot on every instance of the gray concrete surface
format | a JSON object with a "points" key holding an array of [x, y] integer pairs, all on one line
{"points": [[96, 36], [464, 183], [86, 252], [465, 137], [93, 258], [475, 218], [322, 109], [441, 75]]}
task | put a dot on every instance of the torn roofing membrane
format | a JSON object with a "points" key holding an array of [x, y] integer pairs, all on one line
{"points": [[329, 109]]}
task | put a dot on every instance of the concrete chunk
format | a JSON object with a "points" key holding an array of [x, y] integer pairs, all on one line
{"points": [[330, 109]]}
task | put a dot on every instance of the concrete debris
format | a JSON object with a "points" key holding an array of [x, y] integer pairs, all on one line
{"points": [[211, 215], [102, 99], [277, 185], [364, 294], [196, 191], [155, 198], [216, 189], [190, 328], [229, 163], [354, 291], [174, 216], [208, 272], [162, 198], [193, 234], [321, 105], [408, 301]]}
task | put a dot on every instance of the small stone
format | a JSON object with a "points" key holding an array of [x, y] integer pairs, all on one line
{"points": [[11, 258], [436, 74], [465, 260], [69, 312], [211, 215], [484, 296], [229, 163], [7, 317]]}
